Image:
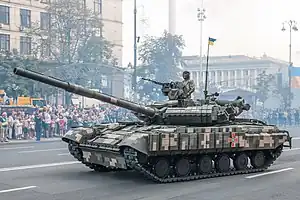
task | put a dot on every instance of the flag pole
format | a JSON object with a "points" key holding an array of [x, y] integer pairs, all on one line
{"points": [[206, 71]]}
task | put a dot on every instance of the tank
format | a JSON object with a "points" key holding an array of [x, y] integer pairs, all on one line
{"points": [[176, 140]]}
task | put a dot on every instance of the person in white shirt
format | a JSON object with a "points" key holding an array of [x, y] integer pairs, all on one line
{"points": [[47, 122], [10, 126], [19, 128]]}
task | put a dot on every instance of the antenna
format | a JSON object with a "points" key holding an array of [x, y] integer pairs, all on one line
{"points": [[206, 74]]}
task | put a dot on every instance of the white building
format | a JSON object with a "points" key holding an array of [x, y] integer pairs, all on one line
{"points": [[236, 72]]}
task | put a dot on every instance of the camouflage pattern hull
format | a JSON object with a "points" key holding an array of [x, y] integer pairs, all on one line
{"points": [[178, 153]]}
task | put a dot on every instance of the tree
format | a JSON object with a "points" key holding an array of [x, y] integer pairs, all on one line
{"points": [[70, 33], [284, 94], [160, 57], [265, 86], [15, 85]]}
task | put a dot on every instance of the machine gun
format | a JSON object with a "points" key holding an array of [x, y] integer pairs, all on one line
{"points": [[155, 82], [212, 113], [173, 90]]}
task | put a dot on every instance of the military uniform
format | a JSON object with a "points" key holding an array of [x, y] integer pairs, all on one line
{"points": [[188, 85]]}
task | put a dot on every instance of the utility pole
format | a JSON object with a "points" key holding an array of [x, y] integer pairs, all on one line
{"points": [[172, 16], [292, 24], [134, 52], [201, 17]]}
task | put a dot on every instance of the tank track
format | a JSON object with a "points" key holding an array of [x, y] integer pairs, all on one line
{"points": [[131, 157], [76, 152]]}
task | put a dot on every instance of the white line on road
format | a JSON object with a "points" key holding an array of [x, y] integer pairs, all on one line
{"points": [[267, 173], [11, 148], [296, 138], [17, 189], [37, 166], [43, 150], [63, 154], [293, 149]]}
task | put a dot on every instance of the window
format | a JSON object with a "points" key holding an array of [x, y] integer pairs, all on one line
{"points": [[45, 1], [4, 15], [4, 42], [45, 21], [98, 7], [25, 17], [25, 45]]}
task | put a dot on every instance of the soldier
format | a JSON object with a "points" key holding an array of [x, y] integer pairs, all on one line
{"points": [[188, 85]]}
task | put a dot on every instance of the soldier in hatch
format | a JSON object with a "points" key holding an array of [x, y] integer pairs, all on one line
{"points": [[188, 85]]}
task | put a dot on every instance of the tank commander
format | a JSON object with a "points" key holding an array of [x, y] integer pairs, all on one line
{"points": [[188, 85]]}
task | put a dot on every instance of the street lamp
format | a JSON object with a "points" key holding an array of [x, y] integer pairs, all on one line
{"points": [[292, 25], [134, 51], [201, 17]]}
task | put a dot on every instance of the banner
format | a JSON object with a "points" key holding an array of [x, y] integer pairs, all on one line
{"points": [[295, 77]]}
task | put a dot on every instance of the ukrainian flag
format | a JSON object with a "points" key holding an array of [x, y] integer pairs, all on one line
{"points": [[211, 41], [295, 77]]}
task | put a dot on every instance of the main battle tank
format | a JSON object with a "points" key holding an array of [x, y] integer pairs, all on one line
{"points": [[176, 140]]}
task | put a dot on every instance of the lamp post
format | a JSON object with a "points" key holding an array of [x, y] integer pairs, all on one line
{"points": [[134, 51], [201, 17], [292, 25]]}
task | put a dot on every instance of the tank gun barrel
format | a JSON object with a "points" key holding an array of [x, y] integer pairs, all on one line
{"points": [[85, 92]]}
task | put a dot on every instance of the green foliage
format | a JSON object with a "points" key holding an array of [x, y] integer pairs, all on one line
{"points": [[265, 86], [69, 46], [160, 57], [73, 36], [16, 85], [96, 50], [284, 94]]}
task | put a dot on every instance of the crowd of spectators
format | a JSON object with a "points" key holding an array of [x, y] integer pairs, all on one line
{"points": [[53, 121]]}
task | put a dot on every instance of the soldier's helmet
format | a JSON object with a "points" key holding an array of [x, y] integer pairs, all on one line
{"points": [[186, 74]]}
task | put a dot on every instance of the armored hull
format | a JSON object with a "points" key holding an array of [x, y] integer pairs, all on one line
{"points": [[177, 140], [166, 153]]}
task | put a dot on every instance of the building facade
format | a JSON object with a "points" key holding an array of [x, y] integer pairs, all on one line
{"points": [[236, 71], [16, 14], [234, 74]]}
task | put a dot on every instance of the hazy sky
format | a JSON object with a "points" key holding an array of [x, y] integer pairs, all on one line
{"points": [[249, 27]]}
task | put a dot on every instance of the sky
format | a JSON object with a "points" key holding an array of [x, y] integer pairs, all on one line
{"points": [[241, 27]]}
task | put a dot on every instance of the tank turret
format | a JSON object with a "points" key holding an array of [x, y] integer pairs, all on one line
{"points": [[177, 111]]}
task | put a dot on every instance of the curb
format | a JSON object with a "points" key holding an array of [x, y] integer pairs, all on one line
{"points": [[29, 142]]}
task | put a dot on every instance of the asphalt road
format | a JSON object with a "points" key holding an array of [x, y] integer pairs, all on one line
{"points": [[45, 171]]}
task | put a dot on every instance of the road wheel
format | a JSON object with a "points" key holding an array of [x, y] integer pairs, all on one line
{"points": [[205, 165], [258, 159], [183, 167], [240, 161], [162, 168], [223, 163]]}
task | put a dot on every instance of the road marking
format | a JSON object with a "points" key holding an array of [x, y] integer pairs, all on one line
{"points": [[17, 189], [11, 148], [293, 149], [43, 150], [267, 173], [63, 154], [37, 166], [296, 138]]}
